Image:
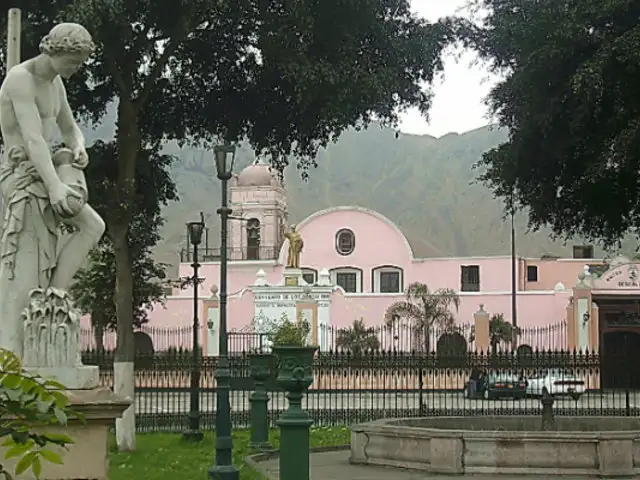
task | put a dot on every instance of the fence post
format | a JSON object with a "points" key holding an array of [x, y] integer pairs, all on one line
{"points": [[261, 370], [481, 327]]}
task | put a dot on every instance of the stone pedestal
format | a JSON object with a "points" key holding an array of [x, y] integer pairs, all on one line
{"points": [[312, 302], [293, 277], [87, 457], [52, 340]]}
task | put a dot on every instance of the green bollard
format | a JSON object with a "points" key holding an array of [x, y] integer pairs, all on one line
{"points": [[262, 366], [295, 374], [294, 426]]}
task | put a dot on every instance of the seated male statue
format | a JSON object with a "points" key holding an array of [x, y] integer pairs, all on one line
{"points": [[33, 101]]}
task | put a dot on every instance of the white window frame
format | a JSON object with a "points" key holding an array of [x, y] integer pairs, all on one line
{"points": [[335, 271], [306, 271], [376, 278]]}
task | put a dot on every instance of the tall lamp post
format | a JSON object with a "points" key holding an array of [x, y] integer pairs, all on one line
{"points": [[195, 230], [224, 468], [514, 285]]}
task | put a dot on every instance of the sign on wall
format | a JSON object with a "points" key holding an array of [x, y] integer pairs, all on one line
{"points": [[621, 276], [289, 300]]}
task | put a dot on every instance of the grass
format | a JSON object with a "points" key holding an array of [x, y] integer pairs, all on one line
{"points": [[160, 456]]}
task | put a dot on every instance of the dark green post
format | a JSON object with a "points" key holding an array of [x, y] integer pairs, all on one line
{"points": [[193, 433], [295, 374], [261, 369], [224, 468]]}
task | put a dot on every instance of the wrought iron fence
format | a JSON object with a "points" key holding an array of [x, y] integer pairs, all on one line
{"points": [[167, 339], [351, 388], [402, 337]]}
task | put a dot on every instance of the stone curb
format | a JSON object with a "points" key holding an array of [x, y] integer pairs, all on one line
{"points": [[256, 459]]}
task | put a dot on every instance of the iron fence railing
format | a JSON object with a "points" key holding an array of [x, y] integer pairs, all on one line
{"points": [[350, 388], [208, 254], [403, 337]]}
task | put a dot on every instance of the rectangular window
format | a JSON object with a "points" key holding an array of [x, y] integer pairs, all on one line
{"points": [[309, 277], [348, 281], [583, 251], [532, 273], [469, 278], [389, 282]]}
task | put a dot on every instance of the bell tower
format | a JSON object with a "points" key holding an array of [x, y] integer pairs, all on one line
{"points": [[260, 200]]}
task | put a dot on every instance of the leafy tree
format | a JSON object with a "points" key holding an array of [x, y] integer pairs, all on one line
{"points": [[570, 102], [29, 406], [95, 285], [357, 338], [425, 310], [287, 76], [500, 332]]}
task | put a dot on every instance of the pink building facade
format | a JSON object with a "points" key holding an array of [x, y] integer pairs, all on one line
{"points": [[368, 263]]}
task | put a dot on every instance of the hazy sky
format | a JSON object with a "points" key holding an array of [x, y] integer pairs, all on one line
{"points": [[458, 102]]}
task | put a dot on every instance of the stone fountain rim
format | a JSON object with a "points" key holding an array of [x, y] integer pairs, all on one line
{"points": [[393, 427]]}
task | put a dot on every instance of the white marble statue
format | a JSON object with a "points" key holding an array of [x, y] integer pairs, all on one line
{"points": [[41, 190]]}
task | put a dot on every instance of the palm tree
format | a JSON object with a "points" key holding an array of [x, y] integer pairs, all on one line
{"points": [[357, 338], [425, 309], [501, 331]]}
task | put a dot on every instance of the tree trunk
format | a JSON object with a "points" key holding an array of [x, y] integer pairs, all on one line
{"points": [[98, 322], [128, 137], [124, 375]]}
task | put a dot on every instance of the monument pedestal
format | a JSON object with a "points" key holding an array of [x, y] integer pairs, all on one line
{"points": [[83, 377], [293, 277], [52, 350], [293, 297], [87, 457]]}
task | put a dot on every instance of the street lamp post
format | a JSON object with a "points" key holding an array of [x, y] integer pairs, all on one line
{"points": [[224, 468], [193, 433]]}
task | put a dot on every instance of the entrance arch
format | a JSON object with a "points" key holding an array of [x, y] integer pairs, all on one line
{"points": [[620, 359]]}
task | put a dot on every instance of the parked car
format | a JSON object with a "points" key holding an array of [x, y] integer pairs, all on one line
{"points": [[495, 385], [556, 381]]}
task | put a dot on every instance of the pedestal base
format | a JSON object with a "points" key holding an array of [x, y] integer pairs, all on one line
{"points": [[85, 377], [194, 436], [87, 457], [224, 472], [293, 277]]}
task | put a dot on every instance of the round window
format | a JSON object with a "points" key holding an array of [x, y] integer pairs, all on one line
{"points": [[345, 242]]}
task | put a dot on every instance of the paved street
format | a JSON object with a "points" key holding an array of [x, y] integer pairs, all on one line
{"points": [[336, 466], [178, 402]]}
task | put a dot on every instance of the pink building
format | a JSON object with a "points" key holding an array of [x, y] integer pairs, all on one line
{"points": [[369, 263]]}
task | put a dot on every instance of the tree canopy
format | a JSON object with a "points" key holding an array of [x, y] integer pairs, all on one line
{"points": [[570, 102], [287, 76], [94, 286]]}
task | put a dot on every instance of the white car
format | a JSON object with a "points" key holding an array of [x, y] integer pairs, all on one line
{"points": [[555, 381]]}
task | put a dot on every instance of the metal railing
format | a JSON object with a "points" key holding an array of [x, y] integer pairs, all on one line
{"points": [[350, 388], [233, 254]]}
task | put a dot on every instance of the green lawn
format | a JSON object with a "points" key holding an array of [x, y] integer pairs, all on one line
{"points": [[162, 456]]}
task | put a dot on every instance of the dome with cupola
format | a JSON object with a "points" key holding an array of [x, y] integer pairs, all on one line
{"points": [[259, 174]]}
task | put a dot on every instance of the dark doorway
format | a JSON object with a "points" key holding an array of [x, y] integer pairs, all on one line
{"points": [[620, 359]]}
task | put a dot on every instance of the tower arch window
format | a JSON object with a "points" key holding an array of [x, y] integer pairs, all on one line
{"points": [[345, 241], [253, 239]]}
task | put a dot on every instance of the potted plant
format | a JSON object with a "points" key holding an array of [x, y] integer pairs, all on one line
{"points": [[294, 355]]}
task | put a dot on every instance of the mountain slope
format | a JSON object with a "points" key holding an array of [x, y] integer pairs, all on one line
{"points": [[424, 184]]}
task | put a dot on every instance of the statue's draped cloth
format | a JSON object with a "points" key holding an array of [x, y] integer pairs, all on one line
{"points": [[29, 226]]}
